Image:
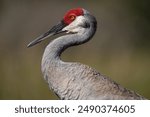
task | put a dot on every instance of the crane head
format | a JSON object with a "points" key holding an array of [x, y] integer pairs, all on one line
{"points": [[74, 21]]}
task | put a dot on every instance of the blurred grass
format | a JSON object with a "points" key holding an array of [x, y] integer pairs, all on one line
{"points": [[120, 49], [22, 79]]}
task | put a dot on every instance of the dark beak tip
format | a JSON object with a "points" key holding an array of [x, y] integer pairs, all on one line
{"points": [[31, 44], [28, 45]]}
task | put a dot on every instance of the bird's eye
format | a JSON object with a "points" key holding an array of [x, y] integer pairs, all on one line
{"points": [[72, 17]]}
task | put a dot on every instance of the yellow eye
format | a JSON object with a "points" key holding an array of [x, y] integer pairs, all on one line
{"points": [[72, 17]]}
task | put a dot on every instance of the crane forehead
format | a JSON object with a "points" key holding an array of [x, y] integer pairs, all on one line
{"points": [[77, 12]]}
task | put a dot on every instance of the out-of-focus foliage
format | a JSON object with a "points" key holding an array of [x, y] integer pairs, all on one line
{"points": [[120, 48]]}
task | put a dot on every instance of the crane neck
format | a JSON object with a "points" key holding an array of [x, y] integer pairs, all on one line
{"points": [[55, 48]]}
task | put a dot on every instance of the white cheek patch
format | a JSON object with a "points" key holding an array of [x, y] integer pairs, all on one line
{"points": [[75, 26]]}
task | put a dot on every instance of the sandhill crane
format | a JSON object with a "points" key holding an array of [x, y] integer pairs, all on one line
{"points": [[72, 80]]}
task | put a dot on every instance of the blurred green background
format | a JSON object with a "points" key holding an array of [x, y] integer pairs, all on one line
{"points": [[120, 48]]}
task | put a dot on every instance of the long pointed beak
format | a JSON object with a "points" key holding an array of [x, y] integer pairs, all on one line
{"points": [[53, 31]]}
